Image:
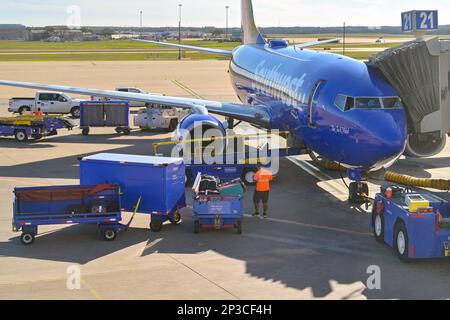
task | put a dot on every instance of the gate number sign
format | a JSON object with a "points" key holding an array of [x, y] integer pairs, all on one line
{"points": [[419, 20]]}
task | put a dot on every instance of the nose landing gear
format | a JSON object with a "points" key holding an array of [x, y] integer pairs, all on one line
{"points": [[358, 189]]}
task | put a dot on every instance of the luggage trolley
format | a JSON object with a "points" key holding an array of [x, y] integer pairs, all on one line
{"points": [[66, 205], [221, 209]]}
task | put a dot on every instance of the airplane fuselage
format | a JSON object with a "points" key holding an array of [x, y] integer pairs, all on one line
{"points": [[327, 101]]}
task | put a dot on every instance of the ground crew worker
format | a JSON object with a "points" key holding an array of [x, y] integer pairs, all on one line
{"points": [[263, 177], [39, 113]]}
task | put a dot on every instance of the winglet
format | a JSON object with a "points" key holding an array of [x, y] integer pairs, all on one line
{"points": [[250, 33]]}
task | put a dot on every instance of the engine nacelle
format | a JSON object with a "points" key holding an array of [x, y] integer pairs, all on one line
{"points": [[425, 145], [199, 124]]}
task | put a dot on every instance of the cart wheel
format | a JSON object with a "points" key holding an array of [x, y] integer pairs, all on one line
{"points": [[156, 224], [401, 242], [21, 136], [378, 228], [85, 131], [109, 234], [249, 177], [176, 218], [196, 227], [239, 226], [27, 238]]}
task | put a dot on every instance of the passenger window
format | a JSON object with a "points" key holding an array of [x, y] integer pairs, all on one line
{"points": [[341, 101], [44, 97], [122, 90], [61, 98]]}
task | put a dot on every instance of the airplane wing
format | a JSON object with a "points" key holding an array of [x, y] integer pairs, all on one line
{"points": [[316, 43], [256, 115], [187, 47]]}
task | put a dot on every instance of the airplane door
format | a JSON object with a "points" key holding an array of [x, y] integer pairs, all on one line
{"points": [[313, 101]]}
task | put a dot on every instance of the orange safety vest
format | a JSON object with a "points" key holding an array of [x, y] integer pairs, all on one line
{"points": [[263, 178]]}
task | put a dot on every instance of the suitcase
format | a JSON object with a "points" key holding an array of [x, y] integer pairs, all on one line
{"points": [[209, 183], [235, 189]]}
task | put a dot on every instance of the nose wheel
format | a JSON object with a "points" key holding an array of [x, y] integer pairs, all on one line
{"points": [[358, 193], [358, 190]]}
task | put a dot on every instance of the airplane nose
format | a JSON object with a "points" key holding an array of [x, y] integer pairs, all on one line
{"points": [[384, 136]]}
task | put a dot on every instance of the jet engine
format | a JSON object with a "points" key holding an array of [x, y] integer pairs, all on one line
{"points": [[204, 125], [425, 145], [200, 127]]}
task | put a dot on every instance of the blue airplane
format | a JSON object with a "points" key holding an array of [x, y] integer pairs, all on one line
{"points": [[335, 106]]}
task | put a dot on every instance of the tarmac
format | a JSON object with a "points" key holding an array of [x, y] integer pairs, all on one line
{"points": [[313, 246]]}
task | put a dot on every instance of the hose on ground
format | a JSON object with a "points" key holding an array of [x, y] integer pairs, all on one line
{"points": [[438, 184]]}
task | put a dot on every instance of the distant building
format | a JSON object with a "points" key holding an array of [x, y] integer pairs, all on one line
{"points": [[124, 36], [37, 35], [13, 32]]}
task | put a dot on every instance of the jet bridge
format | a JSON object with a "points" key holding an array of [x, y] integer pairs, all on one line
{"points": [[420, 72]]}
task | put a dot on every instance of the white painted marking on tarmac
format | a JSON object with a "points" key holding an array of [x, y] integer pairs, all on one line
{"points": [[153, 243], [321, 176]]}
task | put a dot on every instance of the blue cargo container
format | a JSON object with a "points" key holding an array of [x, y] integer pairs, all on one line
{"points": [[95, 114], [160, 181]]}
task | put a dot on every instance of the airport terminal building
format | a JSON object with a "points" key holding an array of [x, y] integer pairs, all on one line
{"points": [[13, 32]]}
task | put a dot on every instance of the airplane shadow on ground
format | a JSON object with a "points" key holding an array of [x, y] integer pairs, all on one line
{"points": [[74, 244], [67, 167]]}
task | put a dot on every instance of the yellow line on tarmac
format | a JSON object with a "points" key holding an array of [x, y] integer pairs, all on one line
{"points": [[187, 89], [92, 290]]}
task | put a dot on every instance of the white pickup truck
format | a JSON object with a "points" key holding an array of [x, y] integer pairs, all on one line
{"points": [[48, 102], [133, 104]]}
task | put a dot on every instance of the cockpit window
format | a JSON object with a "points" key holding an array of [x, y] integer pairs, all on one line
{"points": [[340, 102], [347, 103], [368, 103], [392, 103]]}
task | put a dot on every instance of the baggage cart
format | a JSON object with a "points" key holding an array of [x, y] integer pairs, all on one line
{"points": [[67, 205], [36, 127], [160, 181], [213, 211], [101, 114]]}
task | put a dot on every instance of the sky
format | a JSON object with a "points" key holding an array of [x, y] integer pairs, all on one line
{"points": [[198, 13]]}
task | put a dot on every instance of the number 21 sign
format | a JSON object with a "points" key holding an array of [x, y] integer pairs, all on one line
{"points": [[419, 20]]}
